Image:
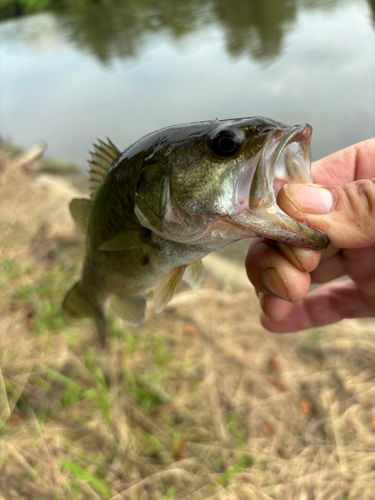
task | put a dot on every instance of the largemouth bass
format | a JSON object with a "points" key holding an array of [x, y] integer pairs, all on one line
{"points": [[175, 196]]}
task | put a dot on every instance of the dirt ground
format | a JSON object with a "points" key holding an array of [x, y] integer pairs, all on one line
{"points": [[199, 403]]}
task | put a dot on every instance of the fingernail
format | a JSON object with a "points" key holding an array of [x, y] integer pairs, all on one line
{"points": [[310, 199], [272, 283]]}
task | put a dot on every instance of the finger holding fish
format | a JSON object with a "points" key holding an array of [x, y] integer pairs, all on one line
{"points": [[297, 268], [274, 274]]}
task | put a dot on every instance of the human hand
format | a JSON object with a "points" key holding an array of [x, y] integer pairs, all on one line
{"points": [[345, 211]]}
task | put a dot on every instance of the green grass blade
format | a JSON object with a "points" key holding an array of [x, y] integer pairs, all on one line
{"points": [[81, 473]]}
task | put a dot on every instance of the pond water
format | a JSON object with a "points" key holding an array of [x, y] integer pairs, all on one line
{"points": [[126, 69]]}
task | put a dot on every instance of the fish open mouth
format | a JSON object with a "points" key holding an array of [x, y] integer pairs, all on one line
{"points": [[285, 158]]}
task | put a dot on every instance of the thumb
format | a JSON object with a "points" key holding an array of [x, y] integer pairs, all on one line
{"points": [[345, 213]]}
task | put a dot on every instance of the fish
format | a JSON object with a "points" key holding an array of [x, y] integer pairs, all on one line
{"points": [[174, 196]]}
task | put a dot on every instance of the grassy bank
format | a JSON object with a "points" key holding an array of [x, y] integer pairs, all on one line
{"points": [[199, 403]]}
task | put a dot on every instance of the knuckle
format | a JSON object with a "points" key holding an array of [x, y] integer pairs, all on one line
{"points": [[366, 190], [358, 200], [358, 197]]}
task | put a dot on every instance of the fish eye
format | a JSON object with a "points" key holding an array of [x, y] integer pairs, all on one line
{"points": [[226, 143]]}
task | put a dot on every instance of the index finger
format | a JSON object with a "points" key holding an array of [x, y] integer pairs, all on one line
{"points": [[349, 164]]}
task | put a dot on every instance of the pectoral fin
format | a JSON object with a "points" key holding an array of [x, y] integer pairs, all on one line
{"points": [[79, 209], [194, 274], [128, 239], [130, 308], [166, 287]]}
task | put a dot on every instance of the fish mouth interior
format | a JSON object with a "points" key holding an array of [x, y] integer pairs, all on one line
{"points": [[284, 158], [291, 159]]}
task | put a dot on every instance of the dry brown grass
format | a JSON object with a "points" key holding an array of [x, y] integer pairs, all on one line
{"points": [[199, 403]]}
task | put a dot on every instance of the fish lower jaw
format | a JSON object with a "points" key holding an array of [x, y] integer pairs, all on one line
{"points": [[272, 223]]}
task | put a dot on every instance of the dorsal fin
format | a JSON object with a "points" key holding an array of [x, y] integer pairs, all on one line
{"points": [[101, 160], [80, 208]]}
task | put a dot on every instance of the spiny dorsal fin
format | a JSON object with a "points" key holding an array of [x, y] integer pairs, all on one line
{"points": [[101, 160], [166, 287], [131, 308], [194, 274], [80, 208], [138, 237]]}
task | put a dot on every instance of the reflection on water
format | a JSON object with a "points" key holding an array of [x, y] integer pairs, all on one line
{"points": [[126, 69], [258, 28], [254, 27], [118, 30], [249, 27]]}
